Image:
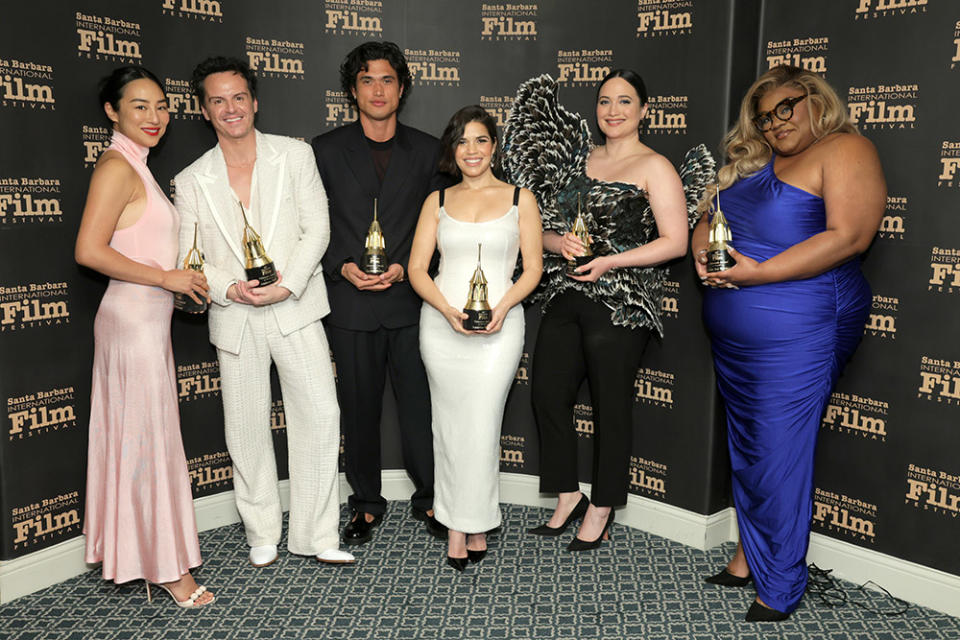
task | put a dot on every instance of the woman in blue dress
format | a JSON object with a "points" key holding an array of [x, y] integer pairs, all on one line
{"points": [[804, 195]]}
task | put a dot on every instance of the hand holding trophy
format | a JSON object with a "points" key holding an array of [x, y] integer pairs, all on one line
{"points": [[478, 307], [258, 265], [718, 258], [580, 230], [374, 259], [193, 261]]}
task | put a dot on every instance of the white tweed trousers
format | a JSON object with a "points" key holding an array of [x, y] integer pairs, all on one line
{"points": [[313, 433]]}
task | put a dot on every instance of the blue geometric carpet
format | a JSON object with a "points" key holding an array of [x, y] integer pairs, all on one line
{"points": [[527, 588]]}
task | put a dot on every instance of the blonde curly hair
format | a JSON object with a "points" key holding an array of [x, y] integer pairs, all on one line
{"points": [[747, 151]]}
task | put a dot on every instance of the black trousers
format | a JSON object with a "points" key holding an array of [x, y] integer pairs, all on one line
{"points": [[363, 359], [577, 340]]}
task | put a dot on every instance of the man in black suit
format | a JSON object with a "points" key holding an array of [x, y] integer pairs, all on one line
{"points": [[373, 326]]}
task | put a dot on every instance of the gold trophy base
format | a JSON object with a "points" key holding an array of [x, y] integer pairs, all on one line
{"points": [[265, 274], [373, 264], [578, 261], [477, 319], [183, 302], [719, 260]]}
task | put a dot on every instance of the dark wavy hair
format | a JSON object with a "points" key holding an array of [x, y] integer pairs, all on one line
{"points": [[454, 131], [356, 61], [635, 81], [110, 88], [219, 64]]}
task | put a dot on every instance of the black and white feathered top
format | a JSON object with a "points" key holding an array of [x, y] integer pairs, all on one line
{"points": [[545, 150]]}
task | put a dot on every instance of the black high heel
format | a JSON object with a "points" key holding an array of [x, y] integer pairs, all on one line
{"points": [[760, 613], [578, 512], [585, 545], [476, 556], [457, 563], [727, 579]]}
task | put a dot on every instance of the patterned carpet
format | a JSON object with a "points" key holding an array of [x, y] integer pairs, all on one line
{"points": [[531, 588]]}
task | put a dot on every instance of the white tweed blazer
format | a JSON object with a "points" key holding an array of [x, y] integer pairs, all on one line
{"points": [[294, 225]]}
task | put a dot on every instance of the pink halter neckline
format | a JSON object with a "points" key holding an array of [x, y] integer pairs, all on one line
{"points": [[129, 148]]}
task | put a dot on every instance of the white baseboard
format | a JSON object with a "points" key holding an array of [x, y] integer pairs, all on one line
{"points": [[912, 582]]}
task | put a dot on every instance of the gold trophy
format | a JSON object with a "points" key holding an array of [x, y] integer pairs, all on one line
{"points": [[374, 259], [718, 258], [258, 265], [478, 308], [193, 261], [580, 230]]}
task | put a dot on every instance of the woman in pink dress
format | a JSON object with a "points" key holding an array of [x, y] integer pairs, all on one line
{"points": [[139, 507]]}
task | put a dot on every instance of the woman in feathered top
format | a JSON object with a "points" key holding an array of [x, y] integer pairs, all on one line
{"points": [[597, 320]]}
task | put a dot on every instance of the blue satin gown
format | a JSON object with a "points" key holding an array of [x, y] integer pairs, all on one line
{"points": [[778, 350]]}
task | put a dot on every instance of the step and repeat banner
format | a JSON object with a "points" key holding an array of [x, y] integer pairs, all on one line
{"points": [[884, 480], [888, 471]]}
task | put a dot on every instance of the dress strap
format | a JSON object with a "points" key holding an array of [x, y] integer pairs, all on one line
{"points": [[516, 196], [442, 191]]}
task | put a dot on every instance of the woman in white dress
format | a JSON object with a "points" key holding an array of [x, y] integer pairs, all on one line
{"points": [[470, 372]]}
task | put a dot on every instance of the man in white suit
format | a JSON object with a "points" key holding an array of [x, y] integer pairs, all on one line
{"points": [[276, 180]]}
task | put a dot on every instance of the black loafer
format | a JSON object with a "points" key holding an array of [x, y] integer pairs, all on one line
{"points": [[358, 530], [433, 527]]}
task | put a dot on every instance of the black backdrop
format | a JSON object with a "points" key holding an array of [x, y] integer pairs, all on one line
{"points": [[888, 466]]}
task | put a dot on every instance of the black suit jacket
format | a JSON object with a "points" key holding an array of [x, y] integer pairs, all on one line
{"points": [[350, 180]]}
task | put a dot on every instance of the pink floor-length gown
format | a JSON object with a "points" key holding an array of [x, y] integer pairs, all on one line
{"points": [[139, 508]]}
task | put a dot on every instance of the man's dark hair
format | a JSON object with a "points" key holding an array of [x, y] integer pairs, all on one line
{"points": [[356, 61], [219, 64], [454, 131]]}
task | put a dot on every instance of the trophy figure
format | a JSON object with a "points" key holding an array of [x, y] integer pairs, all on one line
{"points": [[374, 259], [718, 259], [580, 230], [194, 262], [258, 265], [478, 308]]}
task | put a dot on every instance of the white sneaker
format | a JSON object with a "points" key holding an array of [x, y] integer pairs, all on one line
{"points": [[263, 555], [336, 556]]}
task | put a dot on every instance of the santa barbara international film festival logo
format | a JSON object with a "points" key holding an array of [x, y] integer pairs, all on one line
{"points": [[882, 321], [182, 103], [41, 412], [353, 18], [26, 85], [870, 9], [893, 225], [511, 452], [883, 107], [522, 376], [338, 109], [654, 387], [808, 53], [278, 418], [955, 60], [852, 414], [939, 380], [94, 140], [657, 18], [579, 67], [201, 10], [434, 67], [508, 21], [852, 517], [944, 270], [498, 107], [34, 305], [670, 302], [210, 471], [271, 58], [583, 420], [648, 476], [26, 200], [198, 380], [46, 520], [949, 164], [110, 39], [667, 115], [933, 490]]}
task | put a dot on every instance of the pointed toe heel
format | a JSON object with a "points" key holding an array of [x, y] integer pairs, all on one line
{"points": [[578, 512], [760, 613], [585, 545], [727, 579], [457, 563]]}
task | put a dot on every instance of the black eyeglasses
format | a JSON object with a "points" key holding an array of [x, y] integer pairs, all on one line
{"points": [[783, 112]]}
